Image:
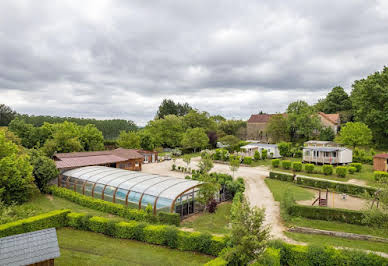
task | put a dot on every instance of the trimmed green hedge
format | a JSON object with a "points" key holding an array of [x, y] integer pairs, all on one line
{"points": [[321, 183], [165, 235], [358, 166], [328, 214], [352, 169], [294, 255], [247, 160], [286, 164], [341, 171], [338, 187], [297, 166], [275, 163], [270, 257], [309, 167], [114, 208], [380, 176], [281, 176], [46, 220], [327, 169]]}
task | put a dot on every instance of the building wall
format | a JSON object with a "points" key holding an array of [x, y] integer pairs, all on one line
{"points": [[326, 123], [380, 164], [132, 164], [257, 131]]}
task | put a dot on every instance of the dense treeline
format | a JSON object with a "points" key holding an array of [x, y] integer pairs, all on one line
{"points": [[110, 128]]}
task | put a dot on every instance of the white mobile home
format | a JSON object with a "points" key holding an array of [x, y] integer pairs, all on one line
{"points": [[327, 155], [249, 150]]}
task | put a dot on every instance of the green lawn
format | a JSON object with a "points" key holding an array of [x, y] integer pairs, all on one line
{"points": [[214, 223], [45, 203], [366, 173], [337, 226], [88, 248], [338, 242], [278, 189]]}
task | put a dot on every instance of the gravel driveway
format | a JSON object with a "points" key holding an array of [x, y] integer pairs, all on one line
{"points": [[256, 190]]}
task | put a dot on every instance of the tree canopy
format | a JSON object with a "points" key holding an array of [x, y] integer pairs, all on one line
{"points": [[44, 169], [169, 107], [16, 180], [277, 128], [6, 115], [129, 140], [370, 104], [303, 122], [355, 134], [195, 138], [337, 100]]}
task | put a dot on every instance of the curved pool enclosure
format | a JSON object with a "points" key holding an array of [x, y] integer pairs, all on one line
{"points": [[133, 189]]}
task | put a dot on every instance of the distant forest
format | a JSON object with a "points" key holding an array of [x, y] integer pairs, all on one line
{"points": [[110, 128]]}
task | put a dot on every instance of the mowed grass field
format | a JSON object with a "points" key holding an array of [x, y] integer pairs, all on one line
{"points": [[88, 248], [213, 223]]}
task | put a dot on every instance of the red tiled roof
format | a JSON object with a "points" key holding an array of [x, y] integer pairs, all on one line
{"points": [[78, 159], [261, 118], [87, 161], [334, 118], [382, 155]]}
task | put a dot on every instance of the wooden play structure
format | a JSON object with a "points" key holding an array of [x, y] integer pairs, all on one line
{"points": [[322, 202]]}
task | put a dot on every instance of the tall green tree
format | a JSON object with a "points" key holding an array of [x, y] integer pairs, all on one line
{"points": [[169, 107], [16, 180], [303, 122], [234, 164], [129, 140], [147, 141], [195, 138], [249, 236], [44, 169], [91, 138], [370, 104], [232, 127], [355, 134], [168, 131], [6, 115], [230, 140], [196, 119], [337, 100], [277, 128], [29, 135]]}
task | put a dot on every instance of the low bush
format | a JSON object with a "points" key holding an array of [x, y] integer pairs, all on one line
{"points": [[327, 169], [341, 171], [270, 257], [256, 156], [167, 218], [112, 208], [297, 166], [46, 220], [164, 235], [286, 164], [309, 168], [264, 154], [294, 255], [380, 176], [275, 163], [281, 176], [247, 160], [352, 169], [358, 166]]}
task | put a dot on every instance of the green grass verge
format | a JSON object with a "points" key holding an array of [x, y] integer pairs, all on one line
{"points": [[278, 189], [338, 226], [45, 203], [214, 223], [338, 242], [88, 248]]}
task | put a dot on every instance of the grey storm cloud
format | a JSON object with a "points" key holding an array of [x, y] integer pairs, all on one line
{"points": [[108, 59]]}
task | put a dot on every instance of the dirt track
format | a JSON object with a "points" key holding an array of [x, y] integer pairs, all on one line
{"points": [[256, 191]]}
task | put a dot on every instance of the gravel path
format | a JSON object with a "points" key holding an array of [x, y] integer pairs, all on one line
{"points": [[256, 191]]}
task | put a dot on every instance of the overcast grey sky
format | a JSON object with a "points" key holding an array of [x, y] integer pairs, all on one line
{"points": [[119, 59]]}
